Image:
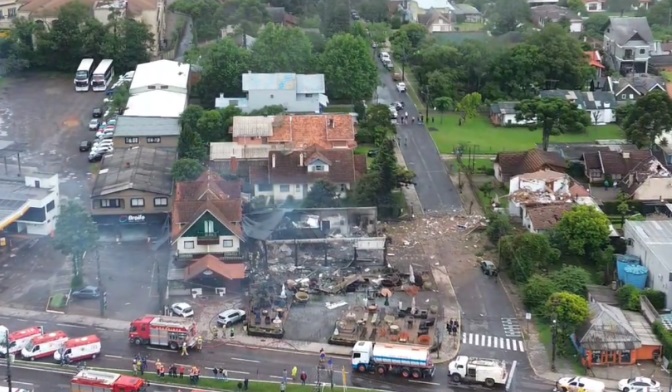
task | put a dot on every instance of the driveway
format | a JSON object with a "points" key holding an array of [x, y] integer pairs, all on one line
{"points": [[436, 191]]}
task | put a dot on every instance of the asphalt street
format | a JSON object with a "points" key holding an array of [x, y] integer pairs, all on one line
{"points": [[435, 189]]}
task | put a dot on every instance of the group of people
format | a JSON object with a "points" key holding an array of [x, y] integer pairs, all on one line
{"points": [[139, 364], [452, 327]]}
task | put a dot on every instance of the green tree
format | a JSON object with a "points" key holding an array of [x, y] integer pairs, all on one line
{"points": [[206, 15], [569, 310], [322, 194], [366, 191], [128, 42], [223, 64], [349, 68], [443, 104], [525, 254], [282, 49], [21, 55], [186, 169], [190, 145], [358, 29], [553, 116], [628, 298], [507, 15], [210, 126], [648, 118], [499, 225], [378, 115], [120, 99], [402, 49], [374, 10], [76, 233], [190, 116], [515, 72], [469, 105], [577, 6], [416, 33], [595, 25], [621, 5], [537, 291], [623, 206], [249, 15], [571, 279], [583, 230], [272, 110], [379, 33], [335, 17]]}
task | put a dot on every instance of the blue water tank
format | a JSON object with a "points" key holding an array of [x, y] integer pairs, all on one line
{"points": [[636, 275], [623, 261]]}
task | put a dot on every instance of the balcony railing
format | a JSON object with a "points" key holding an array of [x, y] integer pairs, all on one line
{"points": [[207, 238]]}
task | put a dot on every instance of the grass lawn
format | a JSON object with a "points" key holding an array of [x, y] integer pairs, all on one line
{"points": [[488, 139], [339, 108], [471, 26], [667, 75], [363, 149]]}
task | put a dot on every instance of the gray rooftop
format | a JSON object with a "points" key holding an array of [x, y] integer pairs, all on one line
{"points": [[553, 13], [504, 107], [623, 29], [466, 9], [14, 194], [643, 83], [302, 84], [140, 168], [585, 100], [608, 329], [654, 235], [132, 126]]}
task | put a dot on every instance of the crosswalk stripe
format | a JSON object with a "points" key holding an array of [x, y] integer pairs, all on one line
{"points": [[489, 341], [501, 342], [492, 341], [508, 344], [522, 347], [482, 340]]}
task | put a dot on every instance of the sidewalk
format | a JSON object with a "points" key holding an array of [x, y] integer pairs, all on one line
{"points": [[451, 310]]}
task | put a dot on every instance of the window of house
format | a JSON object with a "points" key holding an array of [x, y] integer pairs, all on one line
{"points": [[298, 187], [265, 187], [11, 12], [284, 188], [625, 356], [318, 168], [188, 244], [642, 51], [344, 187], [632, 96], [51, 205], [110, 203], [151, 87], [153, 140], [132, 140], [160, 201], [592, 7], [628, 54], [624, 96], [138, 202], [309, 95], [271, 95], [164, 87], [227, 243], [1, 15], [209, 226]]}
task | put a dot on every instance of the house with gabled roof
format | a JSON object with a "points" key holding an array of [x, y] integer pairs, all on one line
{"points": [[612, 165], [206, 217], [290, 175], [511, 164], [627, 44], [634, 86]]}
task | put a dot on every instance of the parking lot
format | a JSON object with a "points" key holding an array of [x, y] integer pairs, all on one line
{"points": [[44, 111]]}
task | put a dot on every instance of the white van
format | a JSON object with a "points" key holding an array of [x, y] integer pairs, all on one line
{"points": [[44, 346], [79, 349], [17, 339], [571, 384]]}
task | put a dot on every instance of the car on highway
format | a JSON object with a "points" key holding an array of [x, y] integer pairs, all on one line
{"points": [[182, 309], [229, 317], [401, 87], [636, 384], [567, 384], [85, 146], [489, 268], [94, 124], [88, 292], [97, 113]]}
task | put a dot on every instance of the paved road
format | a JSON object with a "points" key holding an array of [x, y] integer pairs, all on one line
{"points": [[435, 189]]}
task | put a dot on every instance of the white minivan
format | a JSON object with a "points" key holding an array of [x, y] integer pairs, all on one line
{"points": [[569, 384], [17, 339], [44, 346], [79, 349]]}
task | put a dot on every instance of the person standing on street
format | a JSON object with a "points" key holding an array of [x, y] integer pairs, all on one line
{"points": [[184, 349], [199, 343], [295, 371], [303, 377]]}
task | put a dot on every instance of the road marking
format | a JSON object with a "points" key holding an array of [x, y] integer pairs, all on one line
{"points": [[489, 341], [513, 344], [71, 326], [3, 317], [245, 360], [493, 342], [483, 340], [512, 371], [275, 377], [161, 349], [424, 382], [508, 344], [24, 320], [114, 356]]}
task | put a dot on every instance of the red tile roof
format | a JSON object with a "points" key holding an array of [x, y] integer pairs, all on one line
{"points": [[209, 186], [344, 167], [594, 59], [515, 163], [301, 132], [613, 162], [234, 271], [546, 216]]}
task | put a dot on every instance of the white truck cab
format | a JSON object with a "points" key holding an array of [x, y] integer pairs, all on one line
{"points": [[480, 370]]}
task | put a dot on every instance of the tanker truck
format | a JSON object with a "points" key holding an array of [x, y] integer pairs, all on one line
{"points": [[386, 358]]}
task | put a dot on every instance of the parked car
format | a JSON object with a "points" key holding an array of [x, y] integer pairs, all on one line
{"points": [[229, 317], [88, 292], [85, 146], [397, 77], [399, 105], [94, 124], [182, 309], [489, 268], [637, 384], [105, 135], [384, 56], [95, 156], [372, 153], [401, 87], [101, 143], [389, 65]]}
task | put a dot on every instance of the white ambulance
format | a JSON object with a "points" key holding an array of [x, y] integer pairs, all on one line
{"points": [[87, 347], [44, 346], [17, 339]]}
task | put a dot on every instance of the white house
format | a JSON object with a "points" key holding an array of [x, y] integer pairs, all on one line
{"points": [[600, 105], [290, 175], [651, 241], [297, 93], [30, 204]]}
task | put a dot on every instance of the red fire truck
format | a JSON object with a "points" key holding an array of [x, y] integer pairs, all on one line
{"points": [[88, 380], [163, 331]]}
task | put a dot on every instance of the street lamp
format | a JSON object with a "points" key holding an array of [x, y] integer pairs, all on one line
{"points": [[554, 343], [9, 361]]}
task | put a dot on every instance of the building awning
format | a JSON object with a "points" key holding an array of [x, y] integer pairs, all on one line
{"points": [[209, 264], [324, 100], [11, 213]]}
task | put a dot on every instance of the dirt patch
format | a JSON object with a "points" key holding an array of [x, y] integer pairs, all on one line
{"points": [[71, 123]]}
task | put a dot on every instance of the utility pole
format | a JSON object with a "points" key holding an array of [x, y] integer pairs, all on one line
{"points": [[554, 343], [427, 103], [103, 297], [9, 361]]}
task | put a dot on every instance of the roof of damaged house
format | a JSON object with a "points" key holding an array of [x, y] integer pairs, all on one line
{"points": [[613, 162], [546, 216], [650, 172], [432, 16], [553, 13], [515, 163], [309, 130], [547, 175], [186, 213], [252, 126], [504, 108], [344, 167], [231, 271]]}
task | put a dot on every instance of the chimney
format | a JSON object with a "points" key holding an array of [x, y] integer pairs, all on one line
{"points": [[301, 159], [331, 122], [273, 161], [234, 165], [626, 155], [221, 95]]}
